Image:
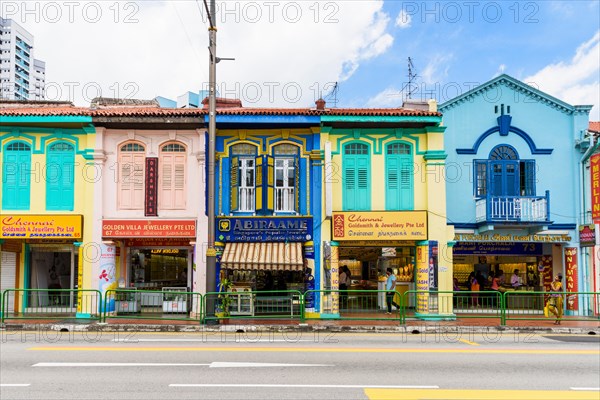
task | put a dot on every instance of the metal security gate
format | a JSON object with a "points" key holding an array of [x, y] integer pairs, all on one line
{"points": [[8, 273]]}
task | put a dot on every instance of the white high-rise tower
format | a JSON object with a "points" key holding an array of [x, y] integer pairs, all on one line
{"points": [[21, 76]]}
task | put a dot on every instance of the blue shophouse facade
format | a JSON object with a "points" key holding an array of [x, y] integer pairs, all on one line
{"points": [[268, 199], [513, 184]]}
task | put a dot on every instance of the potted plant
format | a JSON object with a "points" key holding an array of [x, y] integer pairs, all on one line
{"points": [[224, 302]]}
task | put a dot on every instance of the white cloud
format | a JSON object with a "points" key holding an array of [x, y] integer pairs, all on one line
{"points": [[286, 52], [389, 97], [501, 69], [404, 20], [575, 81], [436, 69]]}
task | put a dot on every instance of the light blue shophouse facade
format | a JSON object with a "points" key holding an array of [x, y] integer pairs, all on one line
{"points": [[513, 182]]}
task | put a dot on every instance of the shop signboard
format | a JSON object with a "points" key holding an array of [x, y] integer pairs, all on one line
{"points": [[375, 225], [80, 280], [264, 229], [587, 235], [433, 264], [107, 279], [595, 186], [148, 228], [157, 242], [21, 226], [500, 248], [571, 278], [547, 273], [422, 280], [511, 237]]}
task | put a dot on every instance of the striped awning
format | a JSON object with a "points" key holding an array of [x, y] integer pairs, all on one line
{"points": [[263, 256]]}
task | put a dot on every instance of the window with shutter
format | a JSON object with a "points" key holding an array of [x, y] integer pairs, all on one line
{"points": [[16, 171], [357, 180], [399, 177], [243, 177], [132, 164], [60, 177], [286, 171], [172, 183]]}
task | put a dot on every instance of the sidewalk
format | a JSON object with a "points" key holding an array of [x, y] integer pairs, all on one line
{"points": [[542, 325]]}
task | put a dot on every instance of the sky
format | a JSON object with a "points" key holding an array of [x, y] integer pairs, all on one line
{"points": [[289, 53]]}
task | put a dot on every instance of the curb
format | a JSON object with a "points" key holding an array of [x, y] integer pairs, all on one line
{"points": [[244, 328]]}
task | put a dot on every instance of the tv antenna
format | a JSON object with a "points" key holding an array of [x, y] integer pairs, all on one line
{"points": [[411, 79], [410, 87], [331, 97]]}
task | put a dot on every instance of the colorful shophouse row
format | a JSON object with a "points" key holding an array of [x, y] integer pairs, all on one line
{"points": [[384, 202], [47, 200], [513, 185]]}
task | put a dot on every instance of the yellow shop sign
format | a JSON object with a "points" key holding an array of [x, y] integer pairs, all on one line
{"points": [[41, 226], [380, 225]]}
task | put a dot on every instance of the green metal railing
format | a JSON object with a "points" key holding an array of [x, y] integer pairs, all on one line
{"points": [[153, 305], [577, 306], [282, 304], [367, 305], [291, 305], [452, 304], [50, 303]]}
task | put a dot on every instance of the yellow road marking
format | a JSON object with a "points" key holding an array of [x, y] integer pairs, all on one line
{"points": [[434, 394], [468, 342], [119, 348]]}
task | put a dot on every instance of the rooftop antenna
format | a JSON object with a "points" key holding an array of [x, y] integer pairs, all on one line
{"points": [[411, 79], [331, 97]]}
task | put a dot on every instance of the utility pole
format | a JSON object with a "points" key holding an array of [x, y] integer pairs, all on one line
{"points": [[211, 253]]}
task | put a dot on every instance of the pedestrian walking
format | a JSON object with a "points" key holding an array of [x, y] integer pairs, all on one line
{"points": [[390, 287], [555, 301]]}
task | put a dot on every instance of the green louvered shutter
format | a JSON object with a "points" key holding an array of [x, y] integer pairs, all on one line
{"points": [[60, 177], [350, 185], [363, 183], [16, 173], [392, 189]]}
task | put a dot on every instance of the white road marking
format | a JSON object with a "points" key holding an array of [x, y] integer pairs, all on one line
{"points": [[262, 365], [258, 385], [211, 365], [15, 384], [213, 340], [586, 389], [92, 364]]}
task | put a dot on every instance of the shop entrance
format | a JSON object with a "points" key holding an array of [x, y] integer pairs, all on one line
{"points": [[159, 268], [52, 268], [515, 272], [367, 265]]}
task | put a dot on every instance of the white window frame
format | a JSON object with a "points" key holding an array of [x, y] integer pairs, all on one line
{"points": [[285, 200], [246, 192]]}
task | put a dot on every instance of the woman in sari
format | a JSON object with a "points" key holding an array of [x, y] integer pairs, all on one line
{"points": [[555, 301]]}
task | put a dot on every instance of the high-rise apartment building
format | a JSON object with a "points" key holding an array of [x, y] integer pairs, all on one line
{"points": [[21, 76]]}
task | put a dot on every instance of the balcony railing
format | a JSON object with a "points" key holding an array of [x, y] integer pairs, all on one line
{"points": [[513, 208]]}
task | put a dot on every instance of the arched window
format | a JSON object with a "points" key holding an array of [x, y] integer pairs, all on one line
{"points": [[356, 174], [504, 174], [287, 178], [132, 162], [16, 180], [243, 177], [60, 177], [399, 177], [172, 177]]}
